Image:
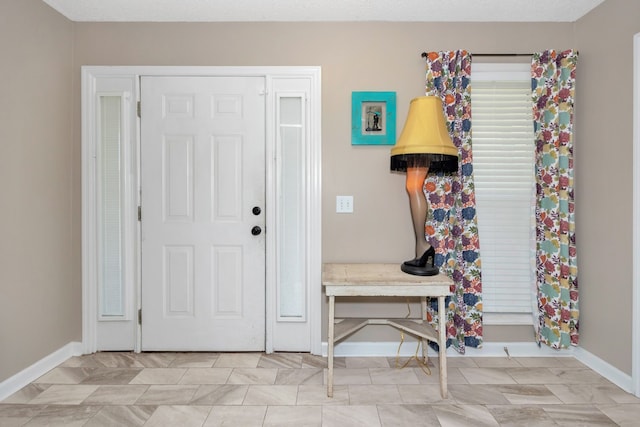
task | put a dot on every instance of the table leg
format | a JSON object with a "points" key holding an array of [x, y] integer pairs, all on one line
{"points": [[330, 342], [442, 346], [425, 343]]}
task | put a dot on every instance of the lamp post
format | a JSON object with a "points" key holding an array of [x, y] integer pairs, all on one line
{"points": [[424, 146]]}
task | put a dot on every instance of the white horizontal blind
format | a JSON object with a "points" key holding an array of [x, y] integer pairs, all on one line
{"points": [[503, 160]]}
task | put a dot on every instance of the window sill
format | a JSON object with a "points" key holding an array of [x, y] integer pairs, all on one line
{"points": [[510, 319]]}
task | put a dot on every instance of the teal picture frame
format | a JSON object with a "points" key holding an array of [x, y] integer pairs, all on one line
{"points": [[373, 118]]}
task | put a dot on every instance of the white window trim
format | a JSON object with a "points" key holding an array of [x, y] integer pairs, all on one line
{"points": [[487, 72], [635, 353], [507, 319]]}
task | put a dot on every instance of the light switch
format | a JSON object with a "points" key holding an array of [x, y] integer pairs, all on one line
{"points": [[344, 204]]}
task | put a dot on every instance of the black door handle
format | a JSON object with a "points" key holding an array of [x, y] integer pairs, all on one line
{"points": [[256, 230]]}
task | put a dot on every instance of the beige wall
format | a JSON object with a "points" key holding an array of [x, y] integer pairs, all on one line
{"points": [[604, 171], [354, 57], [39, 291]]}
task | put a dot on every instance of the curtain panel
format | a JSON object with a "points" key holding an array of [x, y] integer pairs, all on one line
{"points": [[553, 88], [452, 225]]}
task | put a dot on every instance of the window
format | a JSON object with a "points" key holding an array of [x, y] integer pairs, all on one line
{"points": [[111, 192], [503, 159], [290, 112]]}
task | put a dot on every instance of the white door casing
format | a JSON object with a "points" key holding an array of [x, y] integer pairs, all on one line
{"points": [[122, 332], [635, 348], [202, 175]]}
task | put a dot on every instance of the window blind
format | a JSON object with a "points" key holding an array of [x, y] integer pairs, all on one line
{"points": [[503, 159]]}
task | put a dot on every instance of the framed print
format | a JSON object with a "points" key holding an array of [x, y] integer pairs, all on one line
{"points": [[373, 118]]}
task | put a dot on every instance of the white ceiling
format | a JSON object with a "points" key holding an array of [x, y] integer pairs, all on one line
{"points": [[324, 10]]}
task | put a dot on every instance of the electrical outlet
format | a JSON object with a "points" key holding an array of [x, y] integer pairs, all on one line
{"points": [[344, 204]]}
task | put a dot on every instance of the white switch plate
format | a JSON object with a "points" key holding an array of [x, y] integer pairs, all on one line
{"points": [[344, 204]]}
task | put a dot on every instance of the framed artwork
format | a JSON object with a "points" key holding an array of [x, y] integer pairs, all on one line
{"points": [[373, 118]]}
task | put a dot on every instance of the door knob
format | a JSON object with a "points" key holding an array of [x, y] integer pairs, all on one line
{"points": [[256, 230], [256, 210]]}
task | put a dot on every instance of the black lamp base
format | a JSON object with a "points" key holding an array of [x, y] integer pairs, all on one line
{"points": [[419, 271]]}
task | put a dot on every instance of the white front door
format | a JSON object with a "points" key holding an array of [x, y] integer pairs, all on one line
{"points": [[203, 213]]}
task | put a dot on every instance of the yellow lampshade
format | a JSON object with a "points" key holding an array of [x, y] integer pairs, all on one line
{"points": [[425, 131]]}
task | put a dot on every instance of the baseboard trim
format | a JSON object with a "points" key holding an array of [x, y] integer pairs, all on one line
{"points": [[613, 374], [41, 367], [493, 349]]}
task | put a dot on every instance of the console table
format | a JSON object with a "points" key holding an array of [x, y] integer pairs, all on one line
{"points": [[341, 280]]}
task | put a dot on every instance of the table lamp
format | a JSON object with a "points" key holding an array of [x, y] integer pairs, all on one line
{"points": [[424, 146]]}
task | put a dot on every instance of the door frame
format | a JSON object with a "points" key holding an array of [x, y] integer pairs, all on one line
{"points": [[130, 77], [635, 327]]}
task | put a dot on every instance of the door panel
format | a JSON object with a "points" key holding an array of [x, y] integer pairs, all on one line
{"points": [[202, 172]]}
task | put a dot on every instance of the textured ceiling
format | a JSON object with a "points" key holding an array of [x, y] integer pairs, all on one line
{"points": [[324, 10]]}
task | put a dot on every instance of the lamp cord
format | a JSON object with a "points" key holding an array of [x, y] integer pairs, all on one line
{"points": [[423, 365]]}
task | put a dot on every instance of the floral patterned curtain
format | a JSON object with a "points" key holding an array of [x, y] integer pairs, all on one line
{"points": [[553, 81], [452, 226]]}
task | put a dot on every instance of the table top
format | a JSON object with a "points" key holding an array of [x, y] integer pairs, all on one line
{"points": [[380, 280]]}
